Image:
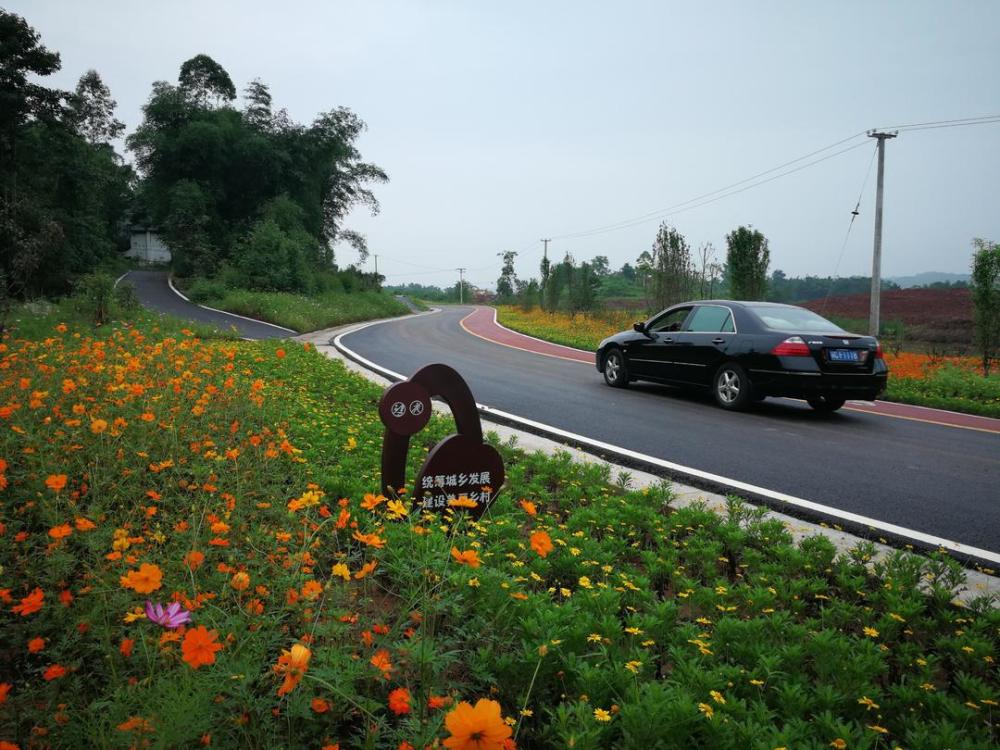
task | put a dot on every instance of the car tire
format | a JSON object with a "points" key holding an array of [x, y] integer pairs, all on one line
{"points": [[731, 387], [826, 404], [615, 369]]}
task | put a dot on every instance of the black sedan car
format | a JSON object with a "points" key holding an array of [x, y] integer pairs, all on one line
{"points": [[746, 351]]}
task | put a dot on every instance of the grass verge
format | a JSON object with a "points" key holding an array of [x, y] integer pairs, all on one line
{"points": [[941, 382], [298, 311], [236, 479]]}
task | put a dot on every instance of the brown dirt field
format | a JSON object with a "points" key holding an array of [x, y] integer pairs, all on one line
{"points": [[932, 318], [934, 307]]}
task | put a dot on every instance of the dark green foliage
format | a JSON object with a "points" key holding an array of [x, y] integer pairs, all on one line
{"points": [[782, 288], [747, 260], [666, 270], [96, 291], [248, 190], [508, 279], [569, 287], [63, 190], [986, 299]]}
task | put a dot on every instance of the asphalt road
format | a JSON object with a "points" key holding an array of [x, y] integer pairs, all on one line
{"points": [[943, 481], [155, 294]]}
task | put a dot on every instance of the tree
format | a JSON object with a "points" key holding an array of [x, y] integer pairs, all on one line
{"points": [[62, 198], [669, 267], [257, 112], [601, 265], [508, 279], [202, 78], [985, 284], [747, 257], [92, 110]]}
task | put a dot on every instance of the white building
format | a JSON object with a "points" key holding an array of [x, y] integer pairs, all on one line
{"points": [[146, 246]]}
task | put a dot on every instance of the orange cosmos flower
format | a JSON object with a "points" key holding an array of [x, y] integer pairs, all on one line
{"points": [[147, 416], [240, 581], [311, 590], [399, 701], [54, 672], [98, 426], [541, 543], [371, 502], [319, 705], [199, 647], [529, 507], [367, 569], [35, 645], [29, 604], [293, 665], [194, 559], [381, 661], [85, 524], [479, 727], [136, 724], [126, 647], [56, 482], [4, 689], [58, 532], [469, 557], [462, 502], [145, 580], [372, 540], [280, 354], [435, 702]]}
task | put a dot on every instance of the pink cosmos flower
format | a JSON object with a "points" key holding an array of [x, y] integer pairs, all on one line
{"points": [[172, 617]]}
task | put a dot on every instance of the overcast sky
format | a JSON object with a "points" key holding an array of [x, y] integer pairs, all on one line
{"points": [[501, 123]]}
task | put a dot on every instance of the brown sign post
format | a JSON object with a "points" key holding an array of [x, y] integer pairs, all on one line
{"points": [[461, 465]]}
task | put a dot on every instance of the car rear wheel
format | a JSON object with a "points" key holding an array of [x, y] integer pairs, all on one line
{"points": [[826, 404], [615, 369], [731, 387]]}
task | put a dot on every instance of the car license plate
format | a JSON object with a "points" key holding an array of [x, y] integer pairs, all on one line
{"points": [[843, 355]]}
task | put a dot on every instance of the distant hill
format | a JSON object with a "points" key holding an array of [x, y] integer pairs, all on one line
{"points": [[928, 277]]}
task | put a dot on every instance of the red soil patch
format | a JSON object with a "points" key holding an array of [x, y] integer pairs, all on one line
{"points": [[944, 308]]}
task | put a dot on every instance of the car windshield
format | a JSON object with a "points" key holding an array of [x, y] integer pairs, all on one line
{"points": [[793, 319]]}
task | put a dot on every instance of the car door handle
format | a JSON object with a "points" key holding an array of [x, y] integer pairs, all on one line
{"points": [[667, 339], [719, 341]]}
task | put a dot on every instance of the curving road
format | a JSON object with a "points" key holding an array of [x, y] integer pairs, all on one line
{"points": [[154, 292], [935, 479], [939, 480]]}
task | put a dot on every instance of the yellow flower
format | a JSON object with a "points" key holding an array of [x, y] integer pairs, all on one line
{"points": [[634, 666], [594, 638], [877, 728], [397, 509], [871, 632], [585, 582], [717, 696], [474, 582], [707, 710], [868, 702], [341, 570], [838, 744], [601, 715]]}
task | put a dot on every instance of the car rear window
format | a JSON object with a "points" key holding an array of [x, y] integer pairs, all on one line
{"points": [[711, 319], [793, 319]]}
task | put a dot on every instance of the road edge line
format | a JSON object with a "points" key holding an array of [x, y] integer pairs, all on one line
{"points": [[170, 283], [860, 525]]}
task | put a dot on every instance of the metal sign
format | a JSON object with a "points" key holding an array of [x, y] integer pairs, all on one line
{"points": [[461, 471]]}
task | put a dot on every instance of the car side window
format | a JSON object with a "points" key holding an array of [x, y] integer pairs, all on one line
{"points": [[672, 321], [711, 319]]}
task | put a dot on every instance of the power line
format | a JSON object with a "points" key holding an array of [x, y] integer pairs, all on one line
{"points": [[653, 214], [667, 213], [850, 225], [699, 200]]}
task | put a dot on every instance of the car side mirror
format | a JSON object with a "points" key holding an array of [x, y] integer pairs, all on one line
{"points": [[639, 327]]}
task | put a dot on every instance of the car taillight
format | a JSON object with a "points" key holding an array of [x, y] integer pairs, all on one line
{"points": [[878, 351], [792, 347]]}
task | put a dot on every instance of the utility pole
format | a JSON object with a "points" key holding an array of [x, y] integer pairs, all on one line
{"points": [[461, 286], [873, 314], [545, 249]]}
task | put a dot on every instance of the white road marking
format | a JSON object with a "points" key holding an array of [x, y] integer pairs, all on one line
{"points": [[795, 502], [170, 283]]}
